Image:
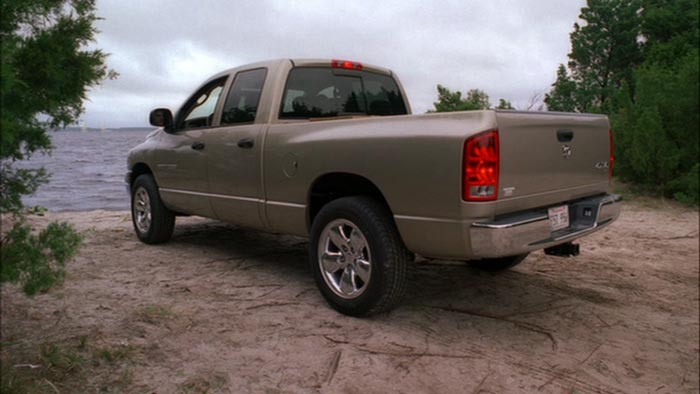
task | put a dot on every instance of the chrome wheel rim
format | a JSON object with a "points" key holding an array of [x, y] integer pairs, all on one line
{"points": [[344, 259], [142, 210]]}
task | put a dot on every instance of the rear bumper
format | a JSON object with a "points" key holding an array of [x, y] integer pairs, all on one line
{"points": [[523, 232]]}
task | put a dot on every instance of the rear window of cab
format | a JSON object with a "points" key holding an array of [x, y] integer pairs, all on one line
{"points": [[321, 92]]}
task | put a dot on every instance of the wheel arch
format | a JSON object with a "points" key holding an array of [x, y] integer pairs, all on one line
{"points": [[137, 170], [334, 185]]}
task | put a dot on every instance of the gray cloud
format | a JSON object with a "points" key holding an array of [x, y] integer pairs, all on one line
{"points": [[163, 50]]}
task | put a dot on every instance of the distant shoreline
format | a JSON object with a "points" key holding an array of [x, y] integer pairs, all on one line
{"points": [[99, 129]]}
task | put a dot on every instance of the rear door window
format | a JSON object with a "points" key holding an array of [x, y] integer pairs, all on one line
{"points": [[241, 105], [316, 92]]}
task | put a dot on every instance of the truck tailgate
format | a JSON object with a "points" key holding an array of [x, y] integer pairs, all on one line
{"points": [[550, 153]]}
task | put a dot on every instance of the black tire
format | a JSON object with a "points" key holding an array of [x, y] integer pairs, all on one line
{"points": [[385, 254], [498, 264], [153, 222]]}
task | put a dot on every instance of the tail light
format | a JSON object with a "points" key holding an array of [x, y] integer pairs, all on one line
{"points": [[481, 157], [612, 157]]}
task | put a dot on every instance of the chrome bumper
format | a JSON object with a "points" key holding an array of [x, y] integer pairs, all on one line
{"points": [[530, 230]]}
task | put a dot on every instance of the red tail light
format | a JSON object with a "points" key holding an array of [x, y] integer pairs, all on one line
{"points": [[346, 64], [612, 157], [481, 157]]}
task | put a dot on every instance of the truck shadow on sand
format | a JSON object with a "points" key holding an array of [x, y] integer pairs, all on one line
{"points": [[433, 284], [528, 319]]}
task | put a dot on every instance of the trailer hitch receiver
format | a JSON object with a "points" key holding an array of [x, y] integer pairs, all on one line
{"points": [[563, 250]]}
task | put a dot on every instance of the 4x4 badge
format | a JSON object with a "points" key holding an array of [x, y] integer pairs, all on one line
{"points": [[566, 151]]}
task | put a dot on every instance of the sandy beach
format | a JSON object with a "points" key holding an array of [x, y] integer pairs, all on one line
{"points": [[222, 309]]}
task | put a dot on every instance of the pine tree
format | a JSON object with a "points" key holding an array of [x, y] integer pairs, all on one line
{"points": [[604, 51], [563, 95]]}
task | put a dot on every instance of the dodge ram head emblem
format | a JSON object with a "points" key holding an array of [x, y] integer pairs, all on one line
{"points": [[566, 151]]}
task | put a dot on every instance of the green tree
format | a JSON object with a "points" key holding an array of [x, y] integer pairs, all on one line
{"points": [[604, 51], [658, 129], [476, 99], [504, 104], [46, 71], [670, 29], [449, 101], [563, 96]]}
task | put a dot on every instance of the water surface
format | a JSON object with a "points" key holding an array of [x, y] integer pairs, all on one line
{"points": [[87, 170]]}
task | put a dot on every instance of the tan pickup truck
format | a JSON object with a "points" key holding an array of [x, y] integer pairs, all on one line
{"points": [[328, 149]]}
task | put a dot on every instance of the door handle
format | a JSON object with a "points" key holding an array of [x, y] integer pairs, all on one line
{"points": [[246, 143], [197, 145]]}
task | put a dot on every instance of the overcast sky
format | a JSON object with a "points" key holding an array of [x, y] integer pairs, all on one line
{"points": [[164, 49]]}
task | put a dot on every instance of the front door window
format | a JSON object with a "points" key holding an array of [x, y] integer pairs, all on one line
{"points": [[199, 110]]}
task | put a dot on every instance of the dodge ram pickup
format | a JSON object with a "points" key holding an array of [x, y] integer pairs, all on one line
{"points": [[328, 149]]}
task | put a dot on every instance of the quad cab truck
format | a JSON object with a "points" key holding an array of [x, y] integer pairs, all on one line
{"points": [[329, 150]]}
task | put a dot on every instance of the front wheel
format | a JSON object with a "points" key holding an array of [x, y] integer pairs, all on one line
{"points": [[153, 221], [357, 257], [498, 264]]}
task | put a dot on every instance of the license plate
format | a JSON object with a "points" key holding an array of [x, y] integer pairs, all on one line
{"points": [[559, 217]]}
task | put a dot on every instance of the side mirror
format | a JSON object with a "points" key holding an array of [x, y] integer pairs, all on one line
{"points": [[162, 117]]}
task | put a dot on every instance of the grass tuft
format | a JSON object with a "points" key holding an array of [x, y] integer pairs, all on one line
{"points": [[203, 385], [154, 314], [70, 366]]}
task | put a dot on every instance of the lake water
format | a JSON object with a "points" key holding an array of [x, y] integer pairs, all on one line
{"points": [[87, 170]]}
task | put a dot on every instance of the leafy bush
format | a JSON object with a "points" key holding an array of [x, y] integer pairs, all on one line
{"points": [[37, 262], [686, 188], [657, 135]]}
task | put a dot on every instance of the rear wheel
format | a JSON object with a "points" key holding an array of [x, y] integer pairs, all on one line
{"points": [[498, 264], [357, 257], [153, 221]]}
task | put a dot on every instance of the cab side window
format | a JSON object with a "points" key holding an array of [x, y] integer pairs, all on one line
{"points": [[241, 105], [198, 111]]}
